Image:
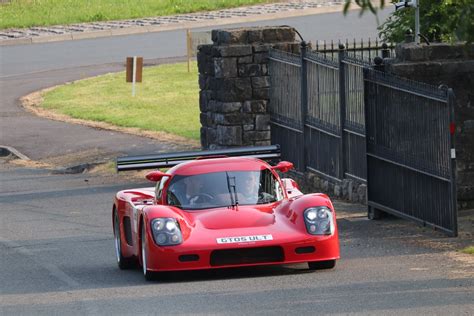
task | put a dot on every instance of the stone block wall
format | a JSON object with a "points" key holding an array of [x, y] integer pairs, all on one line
{"points": [[347, 189], [452, 65], [235, 84]]}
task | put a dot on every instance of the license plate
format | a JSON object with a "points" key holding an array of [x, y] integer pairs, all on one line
{"points": [[239, 239]]}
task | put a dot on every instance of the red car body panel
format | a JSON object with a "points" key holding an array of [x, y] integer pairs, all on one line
{"points": [[283, 220]]}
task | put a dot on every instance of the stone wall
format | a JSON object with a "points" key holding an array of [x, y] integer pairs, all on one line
{"points": [[452, 65], [347, 189], [234, 84]]}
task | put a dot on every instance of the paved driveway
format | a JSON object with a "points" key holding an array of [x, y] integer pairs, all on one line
{"points": [[58, 258]]}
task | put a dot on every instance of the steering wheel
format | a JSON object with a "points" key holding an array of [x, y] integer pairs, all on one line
{"points": [[206, 197], [264, 197]]}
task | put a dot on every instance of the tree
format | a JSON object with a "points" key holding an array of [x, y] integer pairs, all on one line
{"points": [[440, 20]]}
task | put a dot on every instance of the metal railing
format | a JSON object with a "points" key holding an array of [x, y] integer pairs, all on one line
{"points": [[318, 97], [324, 102], [410, 146], [365, 50]]}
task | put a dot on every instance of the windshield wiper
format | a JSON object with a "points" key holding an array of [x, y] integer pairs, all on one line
{"points": [[232, 190]]}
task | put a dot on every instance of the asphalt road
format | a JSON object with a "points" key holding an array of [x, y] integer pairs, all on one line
{"points": [[58, 259], [26, 59]]}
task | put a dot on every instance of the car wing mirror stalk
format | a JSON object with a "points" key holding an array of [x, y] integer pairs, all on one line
{"points": [[156, 175]]}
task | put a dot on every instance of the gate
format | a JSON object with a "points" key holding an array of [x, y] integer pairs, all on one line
{"points": [[410, 150], [286, 109], [318, 98], [334, 115], [323, 120], [352, 86]]}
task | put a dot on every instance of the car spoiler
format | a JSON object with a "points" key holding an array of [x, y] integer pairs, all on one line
{"points": [[168, 160]]}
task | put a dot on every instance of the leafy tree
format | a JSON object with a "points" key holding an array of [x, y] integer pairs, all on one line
{"points": [[440, 20]]}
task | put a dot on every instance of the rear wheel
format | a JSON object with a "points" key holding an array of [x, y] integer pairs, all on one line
{"points": [[123, 263], [149, 275], [320, 265]]}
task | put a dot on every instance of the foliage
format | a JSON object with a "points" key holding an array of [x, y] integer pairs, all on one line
{"points": [[440, 20], [167, 100], [28, 13], [469, 250]]}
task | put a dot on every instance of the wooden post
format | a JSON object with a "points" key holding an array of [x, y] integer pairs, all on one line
{"points": [[189, 47], [134, 71]]}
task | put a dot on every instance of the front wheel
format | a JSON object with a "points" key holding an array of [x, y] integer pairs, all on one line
{"points": [[149, 275], [320, 265]]}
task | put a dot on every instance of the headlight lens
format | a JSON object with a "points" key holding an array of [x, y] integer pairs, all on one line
{"points": [[170, 226], [319, 221], [158, 224], [311, 214], [166, 231]]}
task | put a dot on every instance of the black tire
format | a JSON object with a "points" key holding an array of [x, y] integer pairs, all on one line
{"points": [[149, 275], [122, 262], [321, 265]]}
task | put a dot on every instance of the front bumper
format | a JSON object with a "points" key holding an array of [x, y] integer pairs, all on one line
{"points": [[187, 257]]}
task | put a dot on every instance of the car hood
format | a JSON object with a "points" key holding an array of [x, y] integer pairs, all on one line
{"points": [[239, 217]]}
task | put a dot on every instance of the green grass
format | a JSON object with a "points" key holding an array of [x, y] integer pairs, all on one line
{"points": [[167, 100], [27, 13], [469, 250]]}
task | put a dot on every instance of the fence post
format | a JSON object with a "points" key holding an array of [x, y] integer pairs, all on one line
{"points": [[385, 51], [378, 64], [372, 212], [452, 130], [342, 111], [409, 38], [304, 99]]}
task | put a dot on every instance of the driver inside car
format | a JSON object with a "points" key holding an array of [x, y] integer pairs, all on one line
{"points": [[193, 190], [249, 188]]}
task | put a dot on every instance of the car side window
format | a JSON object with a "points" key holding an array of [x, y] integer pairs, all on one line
{"points": [[270, 188], [279, 191], [159, 188]]}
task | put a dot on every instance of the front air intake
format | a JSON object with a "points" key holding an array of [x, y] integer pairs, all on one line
{"points": [[246, 256]]}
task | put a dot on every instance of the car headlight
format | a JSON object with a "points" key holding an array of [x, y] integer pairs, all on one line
{"points": [[166, 231], [319, 220]]}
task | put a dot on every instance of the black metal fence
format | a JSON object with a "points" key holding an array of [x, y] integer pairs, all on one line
{"points": [[360, 49], [318, 98], [410, 150], [318, 105]]}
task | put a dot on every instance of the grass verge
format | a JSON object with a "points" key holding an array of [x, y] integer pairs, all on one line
{"points": [[166, 101], [28, 13], [469, 250]]}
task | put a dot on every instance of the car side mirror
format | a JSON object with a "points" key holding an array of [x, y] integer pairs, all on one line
{"points": [[156, 175], [283, 166]]}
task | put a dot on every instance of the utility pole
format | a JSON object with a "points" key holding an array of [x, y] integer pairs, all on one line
{"points": [[412, 4]]}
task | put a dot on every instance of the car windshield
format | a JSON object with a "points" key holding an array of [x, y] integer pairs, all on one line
{"points": [[221, 189]]}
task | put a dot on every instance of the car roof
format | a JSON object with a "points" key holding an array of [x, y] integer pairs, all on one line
{"points": [[200, 166]]}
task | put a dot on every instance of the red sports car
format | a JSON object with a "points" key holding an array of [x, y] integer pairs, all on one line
{"points": [[223, 212]]}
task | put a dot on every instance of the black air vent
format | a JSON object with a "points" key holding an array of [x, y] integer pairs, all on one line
{"points": [[127, 228], [188, 258], [301, 250], [246, 256]]}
